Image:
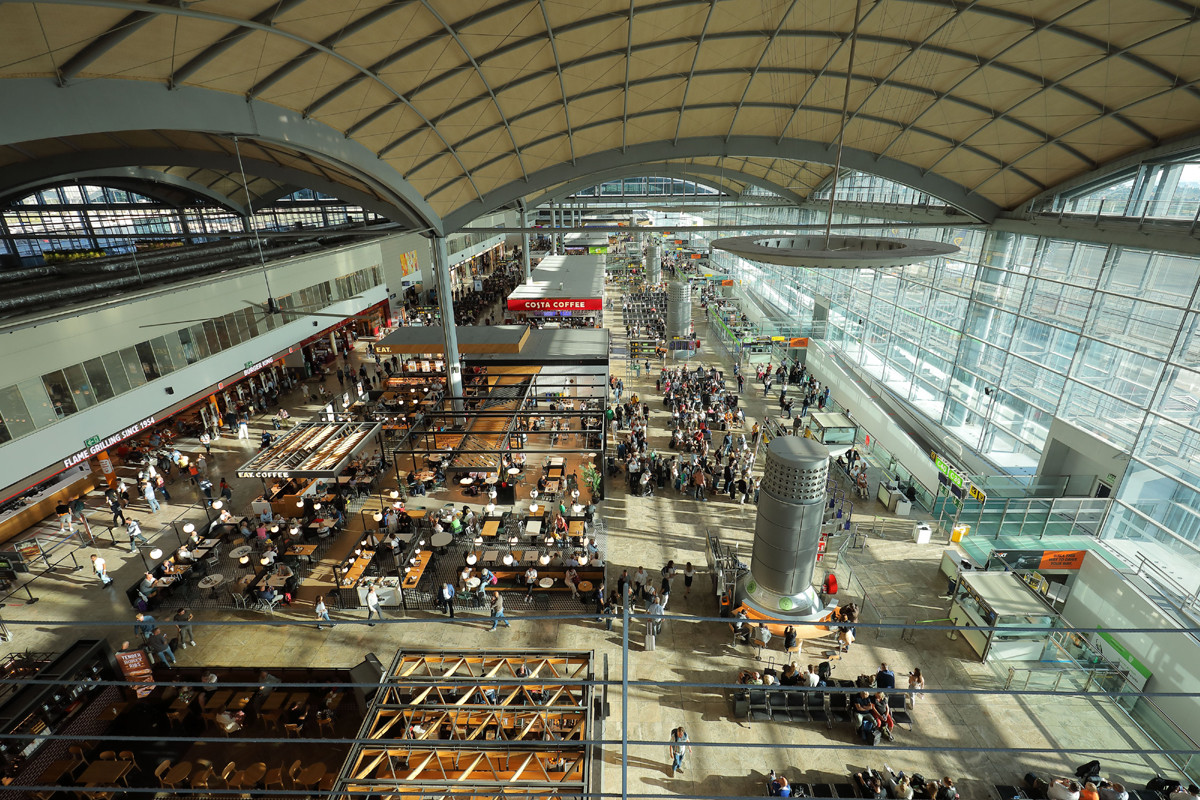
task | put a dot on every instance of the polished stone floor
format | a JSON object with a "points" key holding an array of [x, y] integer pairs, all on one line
{"points": [[963, 735]]}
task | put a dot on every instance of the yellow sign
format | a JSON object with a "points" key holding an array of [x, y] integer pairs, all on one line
{"points": [[408, 263]]}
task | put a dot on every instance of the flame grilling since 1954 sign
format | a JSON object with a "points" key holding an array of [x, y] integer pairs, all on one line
{"points": [[96, 445]]}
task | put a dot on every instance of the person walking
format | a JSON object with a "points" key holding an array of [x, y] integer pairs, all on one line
{"points": [[689, 572], [100, 568], [373, 606], [148, 493], [206, 440], [135, 535], [679, 748], [226, 492], [322, 612], [243, 428], [117, 511], [183, 626], [497, 603], [448, 598], [65, 522], [159, 646]]}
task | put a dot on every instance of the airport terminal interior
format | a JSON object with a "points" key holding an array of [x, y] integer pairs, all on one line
{"points": [[583, 398]]}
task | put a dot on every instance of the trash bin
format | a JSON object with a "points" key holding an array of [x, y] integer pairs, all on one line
{"points": [[959, 532]]}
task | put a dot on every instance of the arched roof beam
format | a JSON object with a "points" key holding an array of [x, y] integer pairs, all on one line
{"points": [[105, 42], [562, 84], [244, 27], [648, 153], [594, 57], [56, 170], [331, 41], [448, 28], [111, 105], [171, 189], [826, 148], [241, 30], [758, 65], [703, 174], [687, 85]]}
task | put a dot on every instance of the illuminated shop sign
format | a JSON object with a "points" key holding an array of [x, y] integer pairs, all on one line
{"points": [[96, 445]]}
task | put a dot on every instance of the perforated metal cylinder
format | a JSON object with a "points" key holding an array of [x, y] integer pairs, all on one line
{"points": [[653, 263], [679, 309], [791, 505]]}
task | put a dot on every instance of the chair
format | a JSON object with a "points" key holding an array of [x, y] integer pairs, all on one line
{"points": [[323, 724], [274, 777], [899, 709], [294, 771], [212, 563], [127, 755], [228, 772], [779, 706], [239, 599], [760, 709], [108, 755], [160, 772], [290, 728], [77, 754], [200, 778], [797, 706]]}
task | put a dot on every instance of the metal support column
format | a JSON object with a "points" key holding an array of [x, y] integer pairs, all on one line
{"points": [[441, 271], [525, 249]]}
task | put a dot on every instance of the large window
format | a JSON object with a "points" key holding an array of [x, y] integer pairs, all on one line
{"points": [[36, 403]]}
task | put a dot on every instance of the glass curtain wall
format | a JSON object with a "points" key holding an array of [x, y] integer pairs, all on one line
{"points": [[1015, 330]]}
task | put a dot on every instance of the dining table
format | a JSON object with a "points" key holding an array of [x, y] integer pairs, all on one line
{"points": [[311, 775], [178, 773], [105, 773]]}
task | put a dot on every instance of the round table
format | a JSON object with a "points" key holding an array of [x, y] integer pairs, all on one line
{"points": [[546, 583], [311, 775], [425, 476], [578, 509], [211, 581], [466, 481], [255, 773], [473, 583], [442, 539], [178, 773], [238, 552], [491, 480], [585, 586], [514, 471]]}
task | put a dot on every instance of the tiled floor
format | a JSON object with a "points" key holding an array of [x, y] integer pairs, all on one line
{"points": [[730, 756]]}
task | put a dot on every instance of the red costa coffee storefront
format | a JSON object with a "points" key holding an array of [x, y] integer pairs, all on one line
{"points": [[565, 290]]}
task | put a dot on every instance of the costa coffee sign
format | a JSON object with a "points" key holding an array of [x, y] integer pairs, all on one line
{"points": [[555, 304]]}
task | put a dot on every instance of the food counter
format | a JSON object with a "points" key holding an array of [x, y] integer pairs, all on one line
{"points": [[1001, 599]]}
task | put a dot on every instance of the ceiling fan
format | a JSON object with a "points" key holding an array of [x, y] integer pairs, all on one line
{"points": [[268, 309]]}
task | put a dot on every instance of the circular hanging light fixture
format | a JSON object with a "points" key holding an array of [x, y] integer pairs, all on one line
{"points": [[834, 252], [188, 527], [544, 559], [471, 558], [218, 505], [508, 559]]}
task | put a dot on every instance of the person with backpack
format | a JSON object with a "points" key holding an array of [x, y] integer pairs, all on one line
{"points": [[679, 748], [448, 598]]}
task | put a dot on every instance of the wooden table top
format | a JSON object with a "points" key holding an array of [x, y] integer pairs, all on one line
{"points": [[576, 528], [415, 571], [312, 774], [356, 569], [490, 529], [104, 773], [302, 550], [218, 700]]}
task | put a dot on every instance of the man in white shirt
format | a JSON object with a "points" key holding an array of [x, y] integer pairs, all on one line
{"points": [[531, 576], [1191, 794], [135, 535], [99, 567], [640, 578]]}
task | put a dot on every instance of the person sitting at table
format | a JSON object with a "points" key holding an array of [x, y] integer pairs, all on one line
{"points": [[267, 594], [147, 584], [560, 525], [541, 484], [531, 575], [296, 713], [230, 721], [571, 579], [270, 555], [456, 525]]}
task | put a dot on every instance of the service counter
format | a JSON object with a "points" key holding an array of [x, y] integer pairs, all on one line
{"points": [[74, 483]]}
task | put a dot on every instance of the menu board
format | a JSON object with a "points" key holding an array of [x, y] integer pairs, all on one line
{"points": [[136, 667]]}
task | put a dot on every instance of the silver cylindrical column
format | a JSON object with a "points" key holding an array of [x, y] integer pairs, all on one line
{"points": [[791, 507], [679, 309], [787, 531], [653, 262]]}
